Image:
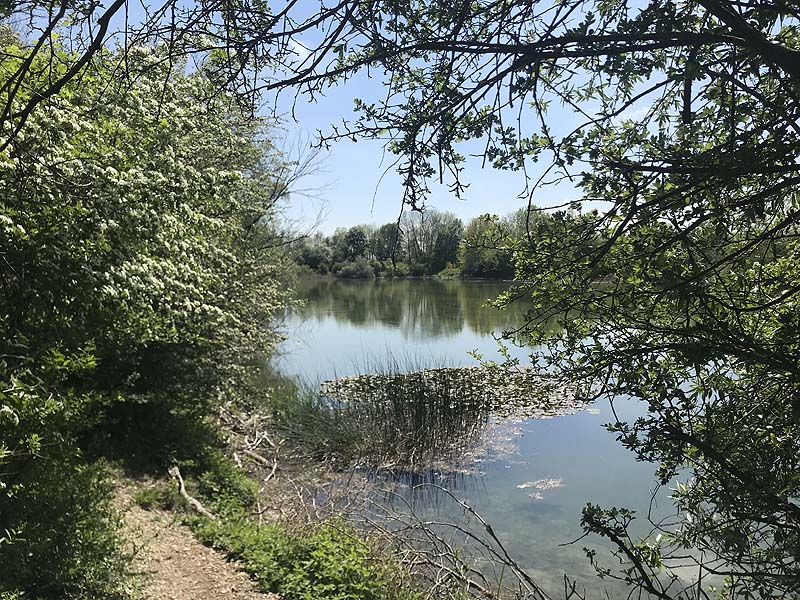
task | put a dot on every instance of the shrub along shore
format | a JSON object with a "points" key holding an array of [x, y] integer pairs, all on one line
{"points": [[142, 261]]}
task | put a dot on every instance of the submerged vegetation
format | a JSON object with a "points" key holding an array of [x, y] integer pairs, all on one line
{"points": [[417, 420]]}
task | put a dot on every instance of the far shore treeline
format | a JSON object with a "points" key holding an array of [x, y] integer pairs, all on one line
{"points": [[433, 243]]}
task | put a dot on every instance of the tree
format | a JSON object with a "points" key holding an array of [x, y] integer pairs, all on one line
{"points": [[355, 243], [140, 271], [431, 239], [448, 230], [682, 292], [486, 250], [314, 253], [386, 242]]}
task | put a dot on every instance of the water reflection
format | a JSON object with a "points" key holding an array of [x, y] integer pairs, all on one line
{"points": [[420, 309], [538, 474]]}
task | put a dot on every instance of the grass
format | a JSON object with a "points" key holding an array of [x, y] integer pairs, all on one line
{"points": [[327, 561], [411, 418], [322, 561]]}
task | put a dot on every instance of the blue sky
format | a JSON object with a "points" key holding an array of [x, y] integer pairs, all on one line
{"points": [[356, 183]]}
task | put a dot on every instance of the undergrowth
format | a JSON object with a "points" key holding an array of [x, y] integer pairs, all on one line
{"points": [[323, 561]]}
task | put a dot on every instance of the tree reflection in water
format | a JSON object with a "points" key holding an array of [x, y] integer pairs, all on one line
{"points": [[421, 309]]}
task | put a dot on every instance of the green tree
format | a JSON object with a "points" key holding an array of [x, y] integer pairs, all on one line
{"points": [[355, 243], [448, 232], [315, 253], [487, 248], [386, 242], [139, 273], [431, 240]]}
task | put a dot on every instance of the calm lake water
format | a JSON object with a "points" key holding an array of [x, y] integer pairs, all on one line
{"points": [[346, 327]]}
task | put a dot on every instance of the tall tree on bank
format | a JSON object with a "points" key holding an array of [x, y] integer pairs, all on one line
{"points": [[682, 292], [431, 240], [139, 274], [386, 242]]}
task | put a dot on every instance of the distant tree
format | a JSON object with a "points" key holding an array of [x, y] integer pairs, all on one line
{"points": [[447, 232], [315, 253], [526, 223], [355, 243], [386, 242], [487, 248], [431, 240], [338, 245]]}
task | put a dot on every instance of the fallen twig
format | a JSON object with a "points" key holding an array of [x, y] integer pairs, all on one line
{"points": [[175, 473], [272, 472], [256, 457]]}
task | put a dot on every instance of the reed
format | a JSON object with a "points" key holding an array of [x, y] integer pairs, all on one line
{"points": [[412, 419]]}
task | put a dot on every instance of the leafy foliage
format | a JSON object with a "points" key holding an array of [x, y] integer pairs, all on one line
{"points": [[58, 519], [420, 244], [329, 562], [139, 275], [682, 291], [487, 249]]}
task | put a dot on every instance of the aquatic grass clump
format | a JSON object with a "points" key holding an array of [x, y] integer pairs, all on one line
{"points": [[418, 419], [503, 392], [413, 419], [316, 427]]}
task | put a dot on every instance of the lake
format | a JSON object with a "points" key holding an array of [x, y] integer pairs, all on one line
{"points": [[349, 327]]}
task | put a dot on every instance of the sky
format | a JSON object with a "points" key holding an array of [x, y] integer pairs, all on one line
{"points": [[356, 182]]}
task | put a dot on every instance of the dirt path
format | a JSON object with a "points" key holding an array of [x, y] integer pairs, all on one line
{"points": [[175, 566]]}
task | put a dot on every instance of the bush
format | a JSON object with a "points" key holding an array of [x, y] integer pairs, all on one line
{"points": [[401, 269], [67, 545], [451, 271], [385, 268], [136, 291], [357, 269], [418, 269], [324, 562], [59, 527]]}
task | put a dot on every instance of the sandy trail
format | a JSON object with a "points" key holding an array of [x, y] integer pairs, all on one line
{"points": [[175, 566]]}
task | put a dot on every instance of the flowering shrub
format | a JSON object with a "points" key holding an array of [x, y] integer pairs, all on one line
{"points": [[139, 265]]}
